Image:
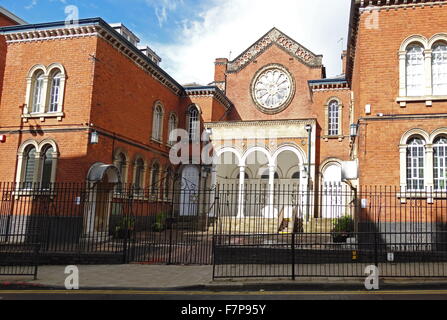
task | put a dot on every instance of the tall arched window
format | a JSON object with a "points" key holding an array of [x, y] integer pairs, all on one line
{"points": [[139, 176], [415, 76], [121, 164], [416, 164], [168, 183], [157, 123], [333, 118], [155, 177], [194, 124], [55, 91], [439, 68], [29, 163], [172, 126], [38, 92], [47, 166], [440, 163]]}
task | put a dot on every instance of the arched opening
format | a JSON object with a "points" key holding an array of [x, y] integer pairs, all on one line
{"points": [[333, 199], [103, 179], [189, 197]]}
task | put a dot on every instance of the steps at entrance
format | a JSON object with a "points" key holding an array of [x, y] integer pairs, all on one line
{"points": [[233, 225], [319, 225]]}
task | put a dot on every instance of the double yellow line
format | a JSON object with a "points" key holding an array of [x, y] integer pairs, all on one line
{"points": [[228, 293]]}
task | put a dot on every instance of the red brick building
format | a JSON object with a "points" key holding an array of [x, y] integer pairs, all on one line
{"points": [[82, 100]]}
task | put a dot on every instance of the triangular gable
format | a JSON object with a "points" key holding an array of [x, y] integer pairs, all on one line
{"points": [[275, 37]]}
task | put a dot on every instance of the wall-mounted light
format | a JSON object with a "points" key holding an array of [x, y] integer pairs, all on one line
{"points": [[308, 128], [354, 130], [94, 137], [2, 138]]}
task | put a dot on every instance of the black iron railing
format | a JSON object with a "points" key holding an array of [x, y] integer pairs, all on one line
{"points": [[285, 229]]}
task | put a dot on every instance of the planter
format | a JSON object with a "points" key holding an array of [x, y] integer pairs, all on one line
{"points": [[341, 238]]}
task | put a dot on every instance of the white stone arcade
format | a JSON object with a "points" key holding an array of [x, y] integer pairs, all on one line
{"points": [[262, 174]]}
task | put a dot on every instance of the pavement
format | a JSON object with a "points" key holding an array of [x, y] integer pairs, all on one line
{"points": [[162, 277]]}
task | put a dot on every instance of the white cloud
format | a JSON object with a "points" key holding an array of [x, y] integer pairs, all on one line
{"points": [[162, 7], [233, 25]]}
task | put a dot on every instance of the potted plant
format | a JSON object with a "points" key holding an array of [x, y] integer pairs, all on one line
{"points": [[343, 229], [125, 228], [160, 222]]}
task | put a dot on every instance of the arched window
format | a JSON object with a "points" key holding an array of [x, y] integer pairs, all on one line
{"points": [[155, 176], [333, 118], [415, 76], [55, 91], [440, 163], [296, 176], [47, 166], [168, 183], [38, 92], [29, 165], [121, 164], [416, 164], [439, 69], [157, 125], [172, 126], [194, 124], [139, 176]]}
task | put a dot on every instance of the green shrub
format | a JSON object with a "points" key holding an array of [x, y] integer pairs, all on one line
{"points": [[125, 227], [160, 222]]}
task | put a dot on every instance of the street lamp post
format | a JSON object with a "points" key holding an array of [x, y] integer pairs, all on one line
{"points": [[309, 165]]}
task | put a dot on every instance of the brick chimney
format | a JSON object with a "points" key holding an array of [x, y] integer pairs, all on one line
{"points": [[220, 69]]}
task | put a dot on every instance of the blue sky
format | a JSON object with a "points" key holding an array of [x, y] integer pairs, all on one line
{"points": [[190, 34]]}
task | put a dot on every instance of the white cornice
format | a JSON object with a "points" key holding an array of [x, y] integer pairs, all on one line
{"points": [[261, 123]]}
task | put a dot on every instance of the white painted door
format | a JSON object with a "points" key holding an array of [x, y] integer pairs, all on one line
{"points": [[190, 191], [333, 197]]}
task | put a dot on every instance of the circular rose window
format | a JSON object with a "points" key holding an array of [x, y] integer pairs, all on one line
{"points": [[272, 89]]}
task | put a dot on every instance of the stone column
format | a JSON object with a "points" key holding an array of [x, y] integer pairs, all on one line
{"points": [[213, 188], [271, 192], [428, 172], [241, 203]]}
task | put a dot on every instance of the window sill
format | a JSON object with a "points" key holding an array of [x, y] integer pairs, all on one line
{"points": [[33, 193], [415, 195], [157, 141], [339, 138], [43, 116], [427, 99]]}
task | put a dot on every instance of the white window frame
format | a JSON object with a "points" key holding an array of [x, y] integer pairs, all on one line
{"points": [[44, 108], [194, 131], [139, 189], [440, 166], [38, 165], [429, 191], [172, 125], [428, 94], [157, 122], [415, 154], [439, 70]]}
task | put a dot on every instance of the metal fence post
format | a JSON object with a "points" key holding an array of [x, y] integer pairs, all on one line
{"points": [[293, 257]]}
